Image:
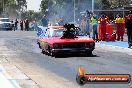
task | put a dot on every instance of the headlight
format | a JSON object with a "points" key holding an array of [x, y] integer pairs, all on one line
{"points": [[92, 44], [57, 46]]}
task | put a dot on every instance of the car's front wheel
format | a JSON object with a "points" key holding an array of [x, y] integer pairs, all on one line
{"points": [[53, 54], [89, 53], [39, 45], [43, 51]]}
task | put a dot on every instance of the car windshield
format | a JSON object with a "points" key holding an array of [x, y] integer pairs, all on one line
{"points": [[59, 32], [4, 20]]}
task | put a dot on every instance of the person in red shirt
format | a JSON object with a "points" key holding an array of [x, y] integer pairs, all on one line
{"points": [[120, 29], [103, 19], [113, 36]]}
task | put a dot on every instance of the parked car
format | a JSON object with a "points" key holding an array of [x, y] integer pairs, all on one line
{"points": [[5, 24], [59, 39]]}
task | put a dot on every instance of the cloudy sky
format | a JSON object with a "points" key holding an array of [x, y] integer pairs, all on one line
{"points": [[33, 5]]}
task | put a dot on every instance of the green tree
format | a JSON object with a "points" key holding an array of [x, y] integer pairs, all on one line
{"points": [[119, 3], [111, 4], [31, 15], [15, 4], [44, 5], [57, 8]]}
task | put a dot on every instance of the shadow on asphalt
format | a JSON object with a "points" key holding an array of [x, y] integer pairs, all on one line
{"points": [[75, 55], [66, 55]]}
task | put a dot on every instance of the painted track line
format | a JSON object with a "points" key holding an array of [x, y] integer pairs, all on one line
{"points": [[5, 80], [116, 44]]}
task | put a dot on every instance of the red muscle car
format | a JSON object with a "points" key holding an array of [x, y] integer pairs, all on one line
{"points": [[58, 39]]}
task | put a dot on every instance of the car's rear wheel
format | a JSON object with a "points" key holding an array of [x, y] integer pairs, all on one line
{"points": [[43, 51]]}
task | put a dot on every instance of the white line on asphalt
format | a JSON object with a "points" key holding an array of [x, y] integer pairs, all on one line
{"points": [[113, 46], [6, 83]]}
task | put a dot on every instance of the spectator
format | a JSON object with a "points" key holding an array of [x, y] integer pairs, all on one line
{"points": [[45, 21], [21, 24], [16, 24], [119, 21], [94, 23], [88, 13], [83, 26], [103, 19], [34, 24], [26, 25], [61, 22], [12, 25], [128, 25]]}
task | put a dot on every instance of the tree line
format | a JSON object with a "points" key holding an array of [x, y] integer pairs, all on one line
{"points": [[13, 5], [99, 4], [65, 8]]}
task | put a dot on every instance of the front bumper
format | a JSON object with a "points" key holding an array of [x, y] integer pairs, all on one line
{"points": [[73, 50]]}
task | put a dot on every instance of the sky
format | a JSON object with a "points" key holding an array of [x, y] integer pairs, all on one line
{"points": [[33, 5]]}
